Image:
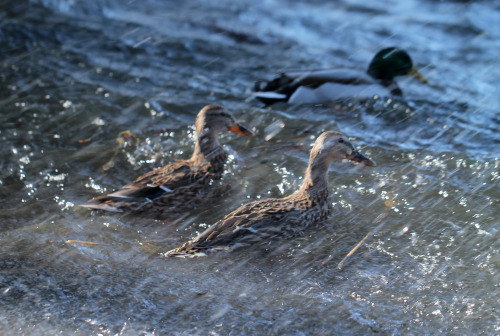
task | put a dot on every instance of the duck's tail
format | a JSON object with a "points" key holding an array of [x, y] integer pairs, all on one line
{"points": [[192, 249], [181, 253], [107, 202], [270, 97], [101, 206], [276, 90], [130, 197]]}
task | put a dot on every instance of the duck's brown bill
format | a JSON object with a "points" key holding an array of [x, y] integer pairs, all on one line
{"points": [[358, 157], [240, 129]]}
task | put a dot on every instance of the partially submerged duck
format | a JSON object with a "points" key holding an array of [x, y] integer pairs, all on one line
{"points": [[181, 184], [266, 219], [324, 86]]}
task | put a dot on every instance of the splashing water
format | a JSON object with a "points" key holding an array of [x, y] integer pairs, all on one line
{"points": [[75, 75]]}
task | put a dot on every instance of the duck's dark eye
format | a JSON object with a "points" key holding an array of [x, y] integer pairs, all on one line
{"points": [[341, 140]]}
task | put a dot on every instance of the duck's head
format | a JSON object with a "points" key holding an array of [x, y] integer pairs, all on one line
{"points": [[391, 62], [213, 119], [332, 145]]}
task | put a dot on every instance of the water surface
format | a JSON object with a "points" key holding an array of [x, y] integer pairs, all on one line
{"points": [[74, 75]]}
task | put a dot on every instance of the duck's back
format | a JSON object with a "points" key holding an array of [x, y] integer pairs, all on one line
{"points": [[167, 190], [261, 220], [341, 76], [320, 86]]}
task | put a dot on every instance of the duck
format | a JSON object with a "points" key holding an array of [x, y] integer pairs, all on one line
{"points": [[267, 219], [326, 86], [182, 184]]}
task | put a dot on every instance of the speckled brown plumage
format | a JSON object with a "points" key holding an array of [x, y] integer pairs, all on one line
{"points": [[266, 219], [180, 185]]}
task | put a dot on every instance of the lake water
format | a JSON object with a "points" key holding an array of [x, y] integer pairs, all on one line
{"points": [[75, 74]]}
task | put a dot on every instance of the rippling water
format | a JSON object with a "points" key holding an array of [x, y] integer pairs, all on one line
{"points": [[74, 75]]}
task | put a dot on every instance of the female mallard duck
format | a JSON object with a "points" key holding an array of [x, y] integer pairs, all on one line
{"points": [[323, 86], [181, 184], [273, 217]]}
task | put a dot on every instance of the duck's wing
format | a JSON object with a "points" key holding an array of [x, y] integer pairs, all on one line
{"points": [[148, 186], [252, 222], [314, 79], [285, 85]]}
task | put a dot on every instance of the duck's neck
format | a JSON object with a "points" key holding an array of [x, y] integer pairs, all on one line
{"points": [[207, 146], [316, 176]]}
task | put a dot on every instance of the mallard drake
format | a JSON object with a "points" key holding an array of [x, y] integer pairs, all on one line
{"points": [[323, 86], [269, 218], [181, 184]]}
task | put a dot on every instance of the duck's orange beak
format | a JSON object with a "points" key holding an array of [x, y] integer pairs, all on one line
{"points": [[358, 157], [414, 72], [240, 129]]}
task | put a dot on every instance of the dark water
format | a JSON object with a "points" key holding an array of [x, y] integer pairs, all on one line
{"points": [[75, 74]]}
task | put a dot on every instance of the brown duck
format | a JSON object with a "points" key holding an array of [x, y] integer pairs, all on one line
{"points": [[269, 218], [181, 184]]}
